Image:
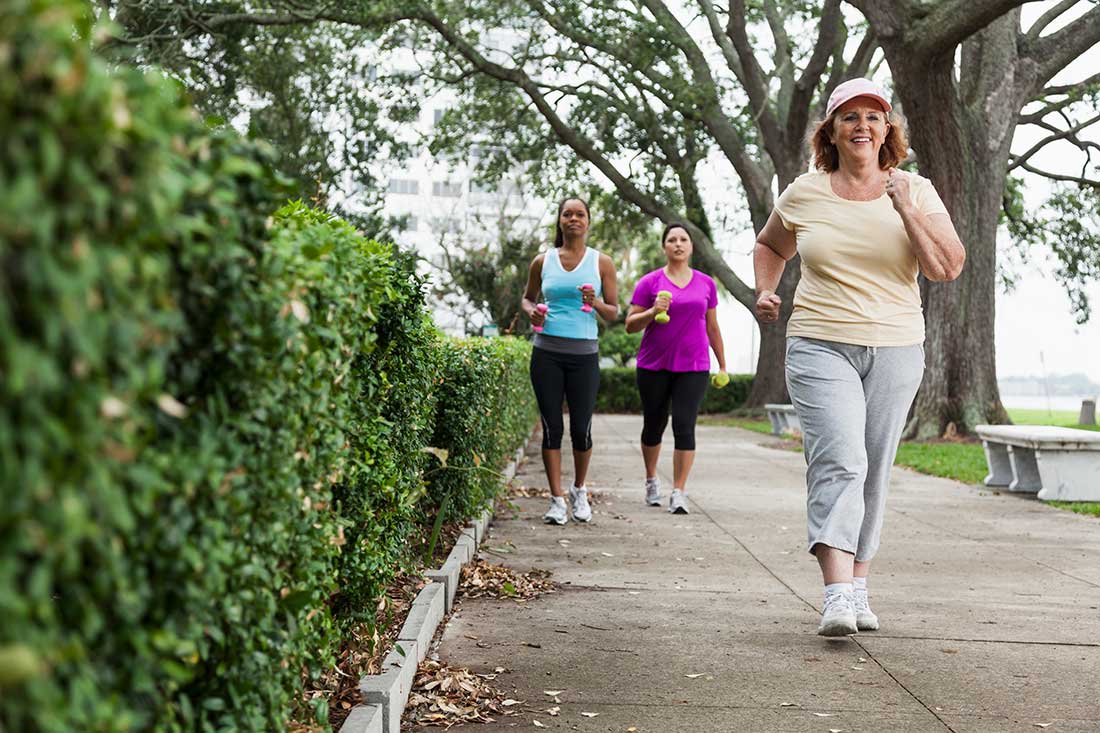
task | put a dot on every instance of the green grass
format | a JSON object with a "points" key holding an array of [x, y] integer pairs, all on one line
{"points": [[1092, 508], [757, 426], [1061, 418], [960, 461]]}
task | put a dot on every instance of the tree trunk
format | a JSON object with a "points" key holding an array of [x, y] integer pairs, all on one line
{"points": [[962, 137], [770, 382], [769, 385]]}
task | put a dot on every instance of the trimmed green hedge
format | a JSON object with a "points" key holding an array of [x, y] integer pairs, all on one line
{"points": [[486, 409], [213, 411], [619, 393]]}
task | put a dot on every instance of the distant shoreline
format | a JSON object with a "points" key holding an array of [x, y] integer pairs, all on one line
{"points": [[1041, 402]]}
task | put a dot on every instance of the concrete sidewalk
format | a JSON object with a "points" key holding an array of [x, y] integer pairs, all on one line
{"points": [[989, 606]]}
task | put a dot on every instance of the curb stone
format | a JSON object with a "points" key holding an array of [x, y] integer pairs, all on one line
{"points": [[391, 689], [424, 617], [363, 719], [385, 695], [448, 575]]}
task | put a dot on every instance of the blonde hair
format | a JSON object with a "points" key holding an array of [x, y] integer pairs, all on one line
{"points": [[895, 148]]}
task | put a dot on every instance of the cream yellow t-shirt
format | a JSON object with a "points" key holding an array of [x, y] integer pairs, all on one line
{"points": [[859, 273]]}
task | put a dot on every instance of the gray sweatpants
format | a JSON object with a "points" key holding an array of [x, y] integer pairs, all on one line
{"points": [[852, 402]]}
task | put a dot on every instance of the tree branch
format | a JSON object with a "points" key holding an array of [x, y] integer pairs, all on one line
{"points": [[1059, 177], [1018, 160], [1047, 18], [1074, 90], [584, 148], [720, 37], [932, 30], [1054, 52], [830, 31]]}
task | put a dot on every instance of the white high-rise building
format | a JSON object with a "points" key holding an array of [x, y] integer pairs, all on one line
{"points": [[447, 208]]}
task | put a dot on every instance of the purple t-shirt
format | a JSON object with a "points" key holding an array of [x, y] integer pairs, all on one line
{"points": [[681, 345]]}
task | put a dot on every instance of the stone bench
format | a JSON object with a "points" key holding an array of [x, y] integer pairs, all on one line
{"points": [[1057, 463], [784, 419]]}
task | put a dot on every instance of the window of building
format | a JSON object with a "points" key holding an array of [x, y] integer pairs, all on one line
{"points": [[404, 185], [446, 188]]}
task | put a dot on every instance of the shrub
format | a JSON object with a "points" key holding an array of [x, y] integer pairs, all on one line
{"points": [[619, 393], [486, 409], [212, 410]]}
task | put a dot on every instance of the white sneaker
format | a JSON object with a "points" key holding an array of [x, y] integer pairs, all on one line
{"points": [[838, 618], [578, 497], [653, 492], [866, 620], [556, 513], [677, 503]]}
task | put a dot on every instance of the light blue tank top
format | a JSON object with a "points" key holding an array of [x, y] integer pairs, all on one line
{"points": [[565, 319]]}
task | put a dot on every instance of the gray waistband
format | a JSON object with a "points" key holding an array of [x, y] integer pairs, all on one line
{"points": [[566, 346]]}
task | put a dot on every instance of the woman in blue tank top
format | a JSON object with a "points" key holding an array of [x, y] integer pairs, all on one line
{"points": [[576, 283]]}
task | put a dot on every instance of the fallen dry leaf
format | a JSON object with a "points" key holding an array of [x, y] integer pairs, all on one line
{"points": [[552, 693], [1042, 725], [786, 704], [694, 676], [538, 724], [822, 715], [590, 715], [481, 579], [444, 697]]}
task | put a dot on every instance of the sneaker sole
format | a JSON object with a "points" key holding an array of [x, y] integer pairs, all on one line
{"points": [[653, 502], [866, 624], [578, 519], [550, 520], [839, 627]]}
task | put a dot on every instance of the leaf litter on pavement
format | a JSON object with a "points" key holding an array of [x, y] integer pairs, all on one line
{"points": [[481, 579], [443, 697]]}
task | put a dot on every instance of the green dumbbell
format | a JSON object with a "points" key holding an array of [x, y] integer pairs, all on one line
{"points": [[662, 317]]}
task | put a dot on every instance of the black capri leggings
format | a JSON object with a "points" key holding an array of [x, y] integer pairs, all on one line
{"points": [[683, 392], [574, 378]]}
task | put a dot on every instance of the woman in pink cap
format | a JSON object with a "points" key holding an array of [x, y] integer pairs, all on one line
{"points": [[855, 354]]}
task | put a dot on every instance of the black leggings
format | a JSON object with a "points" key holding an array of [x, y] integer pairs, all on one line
{"points": [[683, 391], [574, 378]]}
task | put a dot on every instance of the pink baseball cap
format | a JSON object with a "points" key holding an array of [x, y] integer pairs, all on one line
{"points": [[856, 88]]}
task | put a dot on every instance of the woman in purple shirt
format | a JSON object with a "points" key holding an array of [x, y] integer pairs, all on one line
{"points": [[673, 361]]}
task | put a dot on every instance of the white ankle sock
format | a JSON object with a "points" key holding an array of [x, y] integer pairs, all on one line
{"points": [[650, 481], [833, 588], [859, 584]]}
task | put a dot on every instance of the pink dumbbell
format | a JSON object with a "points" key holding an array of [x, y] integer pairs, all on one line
{"points": [[586, 307], [541, 308]]}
